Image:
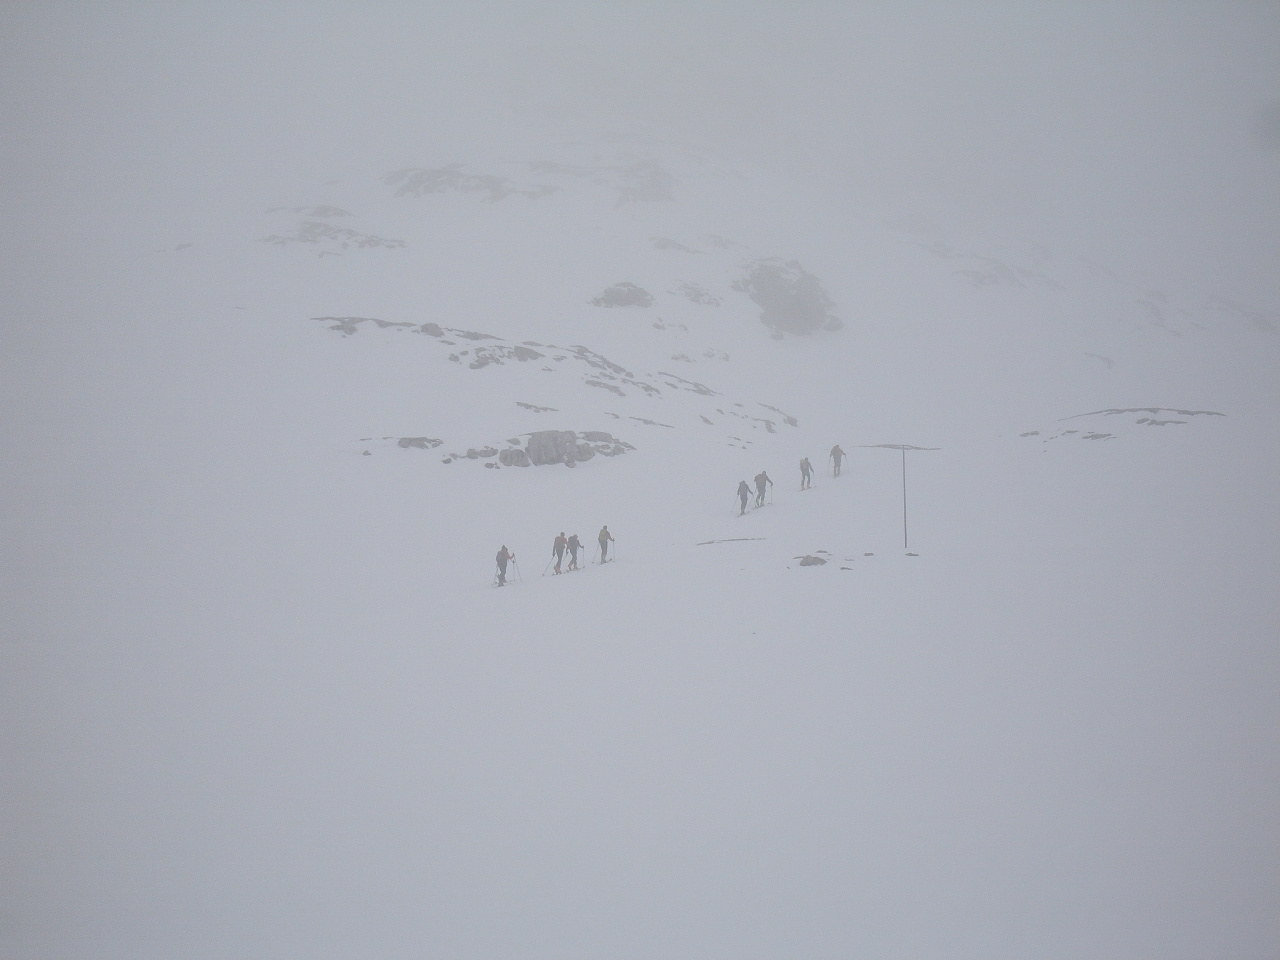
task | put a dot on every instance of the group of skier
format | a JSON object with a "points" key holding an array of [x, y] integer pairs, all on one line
{"points": [[744, 491], [559, 547], [572, 545], [762, 480]]}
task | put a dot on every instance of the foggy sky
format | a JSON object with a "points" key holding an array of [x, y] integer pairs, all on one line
{"points": [[255, 686], [1143, 133]]}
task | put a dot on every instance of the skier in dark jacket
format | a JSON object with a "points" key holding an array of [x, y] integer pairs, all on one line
{"points": [[836, 456], [604, 538], [558, 548], [503, 556], [806, 474], [761, 479], [744, 492], [574, 546]]}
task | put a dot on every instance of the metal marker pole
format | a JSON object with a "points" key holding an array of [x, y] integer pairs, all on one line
{"points": [[904, 499]]}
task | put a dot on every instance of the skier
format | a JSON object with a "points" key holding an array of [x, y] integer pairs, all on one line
{"points": [[503, 556], [744, 491], [761, 479], [574, 546], [806, 474], [836, 456], [557, 548], [605, 537]]}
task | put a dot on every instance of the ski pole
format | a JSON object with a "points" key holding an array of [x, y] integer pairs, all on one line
{"points": [[518, 573], [544, 569]]}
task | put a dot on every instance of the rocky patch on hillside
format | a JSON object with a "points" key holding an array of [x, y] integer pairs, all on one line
{"points": [[326, 234], [624, 295], [421, 182], [595, 370], [1141, 417], [499, 354], [545, 447], [791, 299]]}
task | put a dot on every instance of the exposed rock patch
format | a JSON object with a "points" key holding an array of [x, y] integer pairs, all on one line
{"points": [[347, 325], [568, 447], [418, 182], [690, 385], [786, 417], [1154, 411], [624, 295], [484, 356], [791, 300], [1153, 419], [314, 231]]}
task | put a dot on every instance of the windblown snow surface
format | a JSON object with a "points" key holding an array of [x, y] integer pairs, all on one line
{"points": [[260, 698]]}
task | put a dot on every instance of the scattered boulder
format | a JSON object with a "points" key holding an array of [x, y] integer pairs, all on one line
{"points": [[422, 443], [513, 458], [624, 295], [791, 300], [567, 447], [552, 446], [808, 560], [500, 353]]}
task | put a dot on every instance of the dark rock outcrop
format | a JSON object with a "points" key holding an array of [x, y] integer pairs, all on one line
{"points": [[552, 446], [791, 300], [513, 458], [624, 295], [567, 447]]}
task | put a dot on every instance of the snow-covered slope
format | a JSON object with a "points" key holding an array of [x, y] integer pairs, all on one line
{"points": [[261, 698]]}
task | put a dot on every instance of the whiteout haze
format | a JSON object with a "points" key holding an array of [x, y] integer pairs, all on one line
{"points": [[307, 313]]}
